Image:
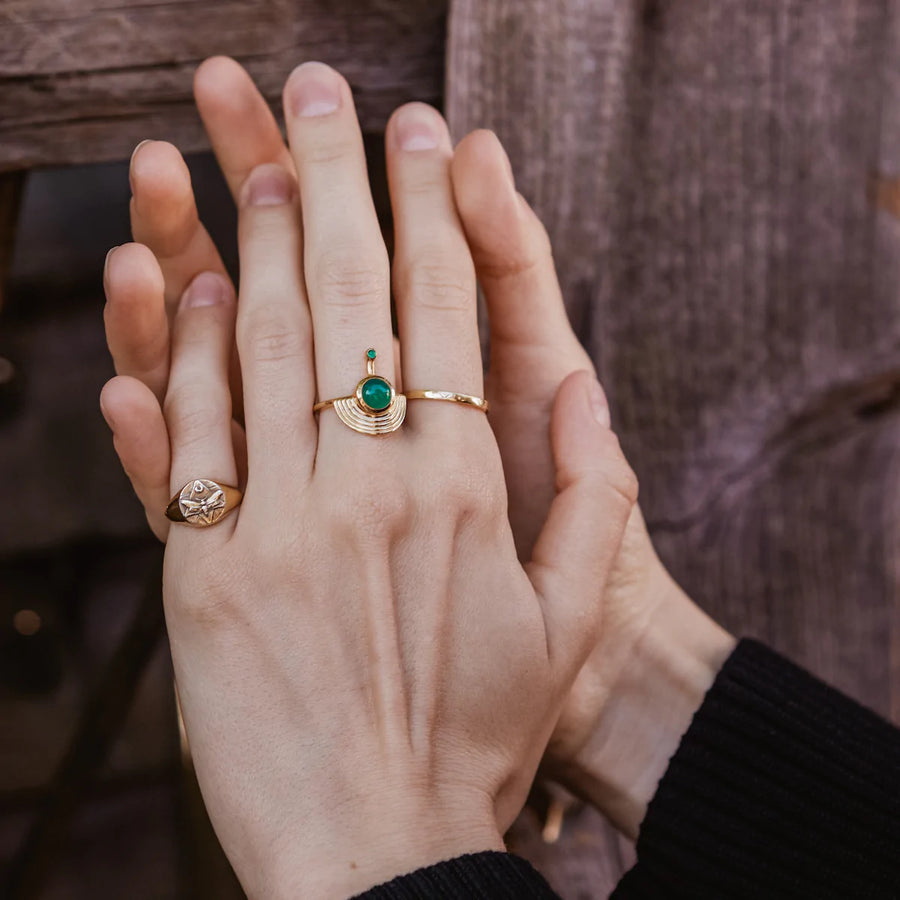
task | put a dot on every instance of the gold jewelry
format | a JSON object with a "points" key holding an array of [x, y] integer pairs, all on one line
{"points": [[202, 502], [451, 396], [375, 407]]}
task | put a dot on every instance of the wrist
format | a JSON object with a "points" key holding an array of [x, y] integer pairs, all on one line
{"points": [[370, 843], [671, 666]]}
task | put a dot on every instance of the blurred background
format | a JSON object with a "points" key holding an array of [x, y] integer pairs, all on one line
{"points": [[721, 180]]}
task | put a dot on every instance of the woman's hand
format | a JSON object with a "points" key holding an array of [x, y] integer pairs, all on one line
{"points": [[657, 653], [367, 673]]}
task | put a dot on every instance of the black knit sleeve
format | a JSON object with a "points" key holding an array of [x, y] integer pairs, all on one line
{"points": [[478, 876], [781, 787]]}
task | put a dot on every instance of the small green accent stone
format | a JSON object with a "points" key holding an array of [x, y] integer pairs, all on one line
{"points": [[371, 354], [376, 393]]}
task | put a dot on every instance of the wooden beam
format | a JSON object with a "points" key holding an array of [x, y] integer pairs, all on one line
{"points": [[85, 80]]}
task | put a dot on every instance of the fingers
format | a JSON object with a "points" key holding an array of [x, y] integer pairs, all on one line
{"points": [[164, 217], [345, 260], [514, 263], [141, 440], [274, 332], [434, 279], [241, 128], [596, 492], [137, 330], [198, 401]]}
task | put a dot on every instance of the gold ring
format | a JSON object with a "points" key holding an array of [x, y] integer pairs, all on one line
{"points": [[450, 396], [203, 502], [374, 408]]}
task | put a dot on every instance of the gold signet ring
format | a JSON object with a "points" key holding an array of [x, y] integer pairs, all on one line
{"points": [[203, 502]]}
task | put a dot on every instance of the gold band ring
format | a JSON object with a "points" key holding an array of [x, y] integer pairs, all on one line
{"points": [[376, 408], [203, 502], [451, 396]]}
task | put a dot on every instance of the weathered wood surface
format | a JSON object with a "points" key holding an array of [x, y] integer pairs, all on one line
{"points": [[705, 170], [85, 80]]}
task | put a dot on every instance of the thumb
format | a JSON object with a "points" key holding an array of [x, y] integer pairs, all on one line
{"points": [[576, 549]]}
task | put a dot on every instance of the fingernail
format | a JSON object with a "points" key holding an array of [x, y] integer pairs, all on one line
{"points": [[314, 90], [417, 128], [599, 406], [109, 253], [267, 185], [131, 162], [207, 289]]}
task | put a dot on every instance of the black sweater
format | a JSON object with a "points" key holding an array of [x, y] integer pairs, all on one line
{"points": [[781, 787]]}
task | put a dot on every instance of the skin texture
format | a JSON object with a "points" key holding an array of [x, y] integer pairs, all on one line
{"points": [[367, 671], [656, 653]]}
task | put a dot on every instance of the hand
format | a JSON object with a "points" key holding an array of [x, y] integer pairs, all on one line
{"points": [[657, 653], [360, 656]]}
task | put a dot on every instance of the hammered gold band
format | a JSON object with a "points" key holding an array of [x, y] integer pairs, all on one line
{"points": [[203, 502], [451, 397]]}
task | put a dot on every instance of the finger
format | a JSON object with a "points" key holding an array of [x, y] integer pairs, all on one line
{"points": [[164, 217], [141, 440], [274, 330], [514, 263], [398, 371], [240, 125], [198, 401], [596, 491], [345, 260], [137, 330], [434, 279]]}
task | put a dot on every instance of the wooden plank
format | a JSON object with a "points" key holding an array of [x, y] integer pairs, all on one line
{"points": [[84, 80], [705, 172]]}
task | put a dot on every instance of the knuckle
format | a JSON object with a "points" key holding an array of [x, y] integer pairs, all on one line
{"points": [[324, 152], [628, 483], [509, 266], [213, 598], [440, 286], [264, 337], [208, 607], [470, 492], [620, 474], [528, 251], [423, 184], [343, 279], [372, 513], [192, 417], [617, 480]]}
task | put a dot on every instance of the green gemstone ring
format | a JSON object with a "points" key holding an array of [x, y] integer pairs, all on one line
{"points": [[375, 407]]}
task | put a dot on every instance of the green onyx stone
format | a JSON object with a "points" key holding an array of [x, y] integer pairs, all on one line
{"points": [[376, 393], [370, 353]]}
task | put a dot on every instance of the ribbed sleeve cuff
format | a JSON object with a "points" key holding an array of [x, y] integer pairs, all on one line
{"points": [[782, 787], [477, 876]]}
